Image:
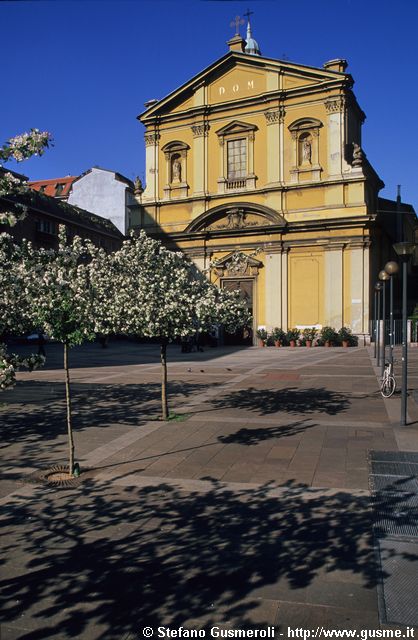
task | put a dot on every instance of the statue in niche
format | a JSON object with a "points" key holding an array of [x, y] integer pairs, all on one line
{"points": [[306, 150], [176, 170]]}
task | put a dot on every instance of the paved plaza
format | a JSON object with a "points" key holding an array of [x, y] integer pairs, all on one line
{"points": [[252, 508]]}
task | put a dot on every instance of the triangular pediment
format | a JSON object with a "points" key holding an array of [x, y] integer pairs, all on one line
{"points": [[236, 127], [237, 76], [226, 260]]}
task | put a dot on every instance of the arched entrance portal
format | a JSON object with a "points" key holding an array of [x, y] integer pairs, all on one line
{"points": [[245, 335], [238, 271]]}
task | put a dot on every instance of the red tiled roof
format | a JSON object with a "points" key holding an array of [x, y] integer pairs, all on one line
{"points": [[55, 187]]}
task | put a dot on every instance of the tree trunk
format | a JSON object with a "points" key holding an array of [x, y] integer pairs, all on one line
{"points": [[68, 404], [164, 403]]}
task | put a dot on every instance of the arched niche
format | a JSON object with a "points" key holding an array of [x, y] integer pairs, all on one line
{"points": [[305, 137], [175, 154]]}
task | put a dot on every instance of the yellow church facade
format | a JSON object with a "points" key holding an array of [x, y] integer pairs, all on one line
{"points": [[255, 169]]}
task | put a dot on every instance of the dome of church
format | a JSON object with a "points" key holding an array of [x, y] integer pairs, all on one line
{"points": [[252, 45]]}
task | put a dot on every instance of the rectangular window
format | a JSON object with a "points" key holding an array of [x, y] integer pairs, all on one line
{"points": [[237, 159], [46, 226]]}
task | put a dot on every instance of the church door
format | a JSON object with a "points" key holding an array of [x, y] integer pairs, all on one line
{"points": [[245, 335]]}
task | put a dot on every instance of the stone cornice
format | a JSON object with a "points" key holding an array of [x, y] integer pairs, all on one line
{"points": [[279, 94]]}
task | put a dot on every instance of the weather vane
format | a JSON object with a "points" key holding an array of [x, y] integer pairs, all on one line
{"points": [[235, 24]]}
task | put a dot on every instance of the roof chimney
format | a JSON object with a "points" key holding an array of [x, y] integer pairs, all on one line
{"points": [[338, 64], [150, 103], [236, 43]]}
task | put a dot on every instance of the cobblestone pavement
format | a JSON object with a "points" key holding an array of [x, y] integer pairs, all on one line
{"points": [[251, 509]]}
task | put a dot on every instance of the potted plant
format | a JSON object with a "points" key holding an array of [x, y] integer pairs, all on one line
{"points": [[292, 336], [309, 335], [279, 336], [346, 337], [270, 341], [262, 336], [329, 336]]}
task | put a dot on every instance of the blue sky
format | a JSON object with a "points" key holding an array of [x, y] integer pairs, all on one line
{"points": [[84, 69]]}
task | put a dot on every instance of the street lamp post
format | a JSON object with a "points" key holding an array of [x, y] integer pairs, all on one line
{"points": [[392, 269], [375, 322], [383, 276], [378, 288], [404, 251]]}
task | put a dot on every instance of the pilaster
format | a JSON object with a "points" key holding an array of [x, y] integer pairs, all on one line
{"points": [[284, 289], [151, 166], [336, 110], [273, 291], [275, 153], [334, 286], [200, 133]]}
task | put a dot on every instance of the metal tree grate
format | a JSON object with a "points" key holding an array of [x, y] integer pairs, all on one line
{"points": [[396, 514], [394, 468], [393, 456], [399, 589], [393, 484]]}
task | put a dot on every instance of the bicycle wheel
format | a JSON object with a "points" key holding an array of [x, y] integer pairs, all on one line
{"points": [[388, 387]]}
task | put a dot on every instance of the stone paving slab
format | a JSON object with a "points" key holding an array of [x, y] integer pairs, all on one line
{"points": [[251, 512], [236, 548]]}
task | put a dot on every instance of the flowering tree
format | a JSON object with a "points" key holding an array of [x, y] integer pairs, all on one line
{"points": [[15, 312], [13, 294], [61, 302], [153, 292], [19, 148]]}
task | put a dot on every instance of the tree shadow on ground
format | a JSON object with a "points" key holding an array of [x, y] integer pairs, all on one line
{"points": [[120, 353], [293, 400], [114, 560], [255, 435], [36, 426]]}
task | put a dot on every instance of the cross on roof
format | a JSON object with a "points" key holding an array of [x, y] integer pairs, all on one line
{"points": [[248, 14], [236, 24]]}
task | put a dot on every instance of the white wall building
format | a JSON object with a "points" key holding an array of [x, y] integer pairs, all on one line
{"points": [[106, 193]]}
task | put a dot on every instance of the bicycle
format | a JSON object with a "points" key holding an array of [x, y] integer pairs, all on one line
{"points": [[388, 383]]}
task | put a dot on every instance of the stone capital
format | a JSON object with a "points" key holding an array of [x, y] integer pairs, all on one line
{"points": [[335, 105], [272, 117], [200, 129], [151, 139]]}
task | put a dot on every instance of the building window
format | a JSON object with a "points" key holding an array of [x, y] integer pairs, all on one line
{"points": [[42, 188], [46, 226], [236, 142], [59, 188], [237, 159]]}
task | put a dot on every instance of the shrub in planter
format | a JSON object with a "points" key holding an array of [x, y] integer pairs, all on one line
{"points": [[329, 336], [292, 336], [309, 335], [262, 335], [279, 336], [346, 337], [270, 341]]}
